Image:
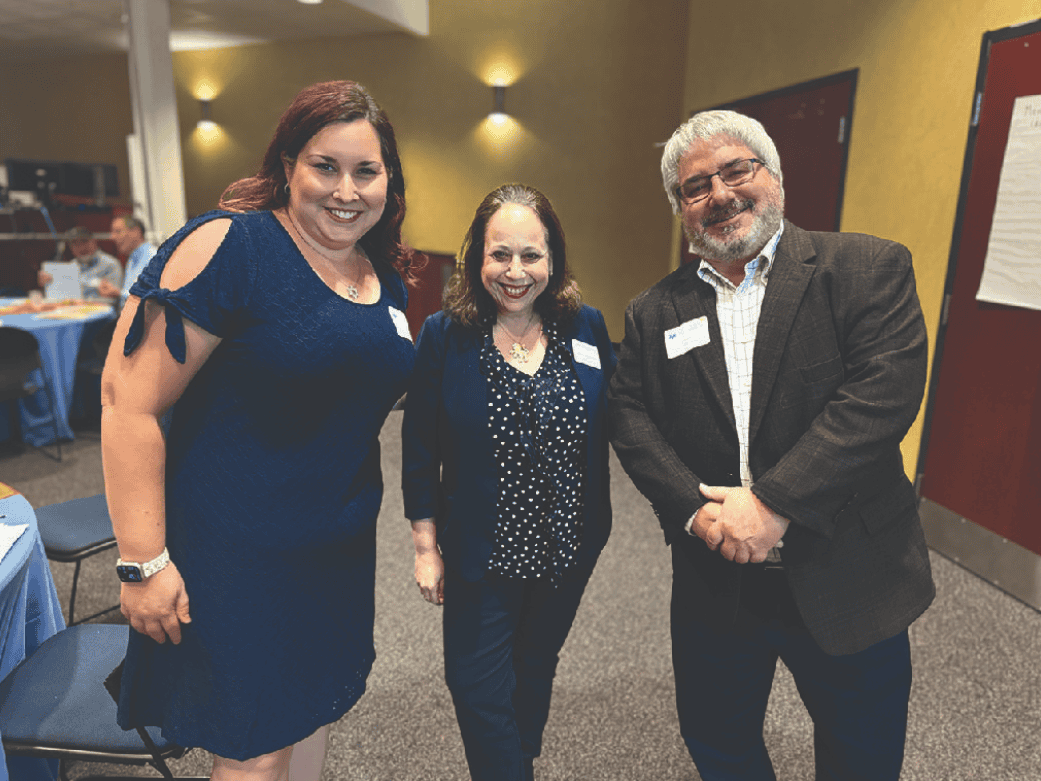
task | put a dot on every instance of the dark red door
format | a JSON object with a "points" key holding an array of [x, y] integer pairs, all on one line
{"points": [[981, 454], [425, 298]]}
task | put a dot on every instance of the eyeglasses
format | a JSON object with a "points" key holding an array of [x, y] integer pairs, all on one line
{"points": [[732, 174]]}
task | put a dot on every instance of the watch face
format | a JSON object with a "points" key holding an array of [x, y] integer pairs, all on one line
{"points": [[129, 573]]}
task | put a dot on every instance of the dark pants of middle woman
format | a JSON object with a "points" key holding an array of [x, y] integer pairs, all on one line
{"points": [[502, 642]]}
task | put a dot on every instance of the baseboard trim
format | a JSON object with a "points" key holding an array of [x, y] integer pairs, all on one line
{"points": [[1011, 567]]}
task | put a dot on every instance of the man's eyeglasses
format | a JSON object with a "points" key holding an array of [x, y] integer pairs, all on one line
{"points": [[732, 174]]}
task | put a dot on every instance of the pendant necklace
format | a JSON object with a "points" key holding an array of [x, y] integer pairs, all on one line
{"points": [[352, 289], [518, 352]]}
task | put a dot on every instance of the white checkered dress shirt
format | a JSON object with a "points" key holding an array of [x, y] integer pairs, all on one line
{"points": [[737, 309]]}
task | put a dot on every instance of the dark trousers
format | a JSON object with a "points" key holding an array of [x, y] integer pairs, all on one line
{"points": [[858, 702], [502, 642]]}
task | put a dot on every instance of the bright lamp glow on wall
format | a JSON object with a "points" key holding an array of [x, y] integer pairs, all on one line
{"points": [[500, 132], [207, 132], [205, 123], [208, 136], [498, 115]]}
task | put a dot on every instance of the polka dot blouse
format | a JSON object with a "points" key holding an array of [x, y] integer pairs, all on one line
{"points": [[538, 427]]}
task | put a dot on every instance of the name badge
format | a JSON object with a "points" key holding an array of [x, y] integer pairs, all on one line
{"points": [[684, 338], [400, 323], [586, 353]]}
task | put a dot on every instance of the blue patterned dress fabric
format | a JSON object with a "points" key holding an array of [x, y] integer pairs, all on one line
{"points": [[273, 486], [538, 429]]}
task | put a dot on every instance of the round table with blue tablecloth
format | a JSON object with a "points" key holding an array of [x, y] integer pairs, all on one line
{"points": [[59, 333], [29, 610]]}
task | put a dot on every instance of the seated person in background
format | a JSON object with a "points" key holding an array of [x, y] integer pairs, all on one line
{"points": [[94, 264], [128, 233]]}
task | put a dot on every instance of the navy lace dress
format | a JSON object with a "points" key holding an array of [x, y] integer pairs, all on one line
{"points": [[273, 485]]}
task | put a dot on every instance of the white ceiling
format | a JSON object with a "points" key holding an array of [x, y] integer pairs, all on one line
{"points": [[38, 29]]}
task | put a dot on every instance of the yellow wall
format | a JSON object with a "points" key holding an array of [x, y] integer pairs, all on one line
{"points": [[595, 85], [75, 108], [917, 61]]}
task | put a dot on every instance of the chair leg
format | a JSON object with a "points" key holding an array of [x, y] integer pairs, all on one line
{"points": [[14, 424], [157, 761], [72, 599], [104, 612], [54, 423]]}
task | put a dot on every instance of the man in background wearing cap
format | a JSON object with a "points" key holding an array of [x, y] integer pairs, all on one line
{"points": [[95, 265]]}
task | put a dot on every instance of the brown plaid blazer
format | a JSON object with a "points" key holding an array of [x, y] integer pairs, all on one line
{"points": [[839, 369]]}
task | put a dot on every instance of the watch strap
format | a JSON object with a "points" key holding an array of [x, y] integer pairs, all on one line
{"points": [[149, 568]]}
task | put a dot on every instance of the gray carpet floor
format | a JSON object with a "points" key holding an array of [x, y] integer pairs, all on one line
{"points": [[975, 710]]}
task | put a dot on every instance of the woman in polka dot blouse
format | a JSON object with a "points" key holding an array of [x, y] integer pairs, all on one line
{"points": [[505, 472]]}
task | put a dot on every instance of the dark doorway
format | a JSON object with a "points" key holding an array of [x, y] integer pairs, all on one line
{"points": [[980, 462], [425, 298]]}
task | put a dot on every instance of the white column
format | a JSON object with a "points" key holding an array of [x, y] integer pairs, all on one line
{"points": [[154, 107]]}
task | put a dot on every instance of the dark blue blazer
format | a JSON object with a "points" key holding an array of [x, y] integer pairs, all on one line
{"points": [[449, 469]]}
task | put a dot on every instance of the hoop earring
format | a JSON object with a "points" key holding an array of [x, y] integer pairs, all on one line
{"points": [[286, 188]]}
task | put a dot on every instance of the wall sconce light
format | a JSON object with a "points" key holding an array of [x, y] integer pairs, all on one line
{"points": [[205, 123], [498, 114]]}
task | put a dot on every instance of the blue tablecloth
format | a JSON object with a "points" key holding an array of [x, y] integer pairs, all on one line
{"points": [[59, 346], [29, 614]]}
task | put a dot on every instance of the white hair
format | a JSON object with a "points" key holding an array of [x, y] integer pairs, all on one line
{"points": [[712, 124]]}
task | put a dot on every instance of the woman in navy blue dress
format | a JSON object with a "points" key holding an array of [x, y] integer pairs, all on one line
{"points": [[505, 472], [275, 329]]}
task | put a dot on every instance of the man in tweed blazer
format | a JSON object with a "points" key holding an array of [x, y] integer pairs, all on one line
{"points": [[759, 403]]}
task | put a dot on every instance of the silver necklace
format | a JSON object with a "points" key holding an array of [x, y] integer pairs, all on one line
{"points": [[518, 352], [352, 289]]}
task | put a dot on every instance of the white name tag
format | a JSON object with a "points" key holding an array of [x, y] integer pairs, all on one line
{"points": [[586, 353], [684, 338], [400, 323]]}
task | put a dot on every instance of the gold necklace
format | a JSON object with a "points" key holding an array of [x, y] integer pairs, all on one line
{"points": [[352, 290], [518, 352]]}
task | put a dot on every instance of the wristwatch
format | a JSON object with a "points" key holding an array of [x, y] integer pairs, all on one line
{"points": [[132, 572]]}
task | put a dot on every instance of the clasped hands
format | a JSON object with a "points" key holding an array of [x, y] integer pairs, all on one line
{"points": [[738, 525]]}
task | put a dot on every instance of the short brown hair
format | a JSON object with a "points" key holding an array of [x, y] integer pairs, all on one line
{"points": [[133, 223]]}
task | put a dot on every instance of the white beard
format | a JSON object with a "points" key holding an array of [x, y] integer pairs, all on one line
{"points": [[766, 220]]}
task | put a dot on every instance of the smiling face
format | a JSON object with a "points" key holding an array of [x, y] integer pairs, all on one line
{"points": [[733, 223], [517, 263], [338, 184]]}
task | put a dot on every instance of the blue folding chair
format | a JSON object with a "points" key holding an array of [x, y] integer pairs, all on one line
{"points": [[54, 705], [73, 531]]}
